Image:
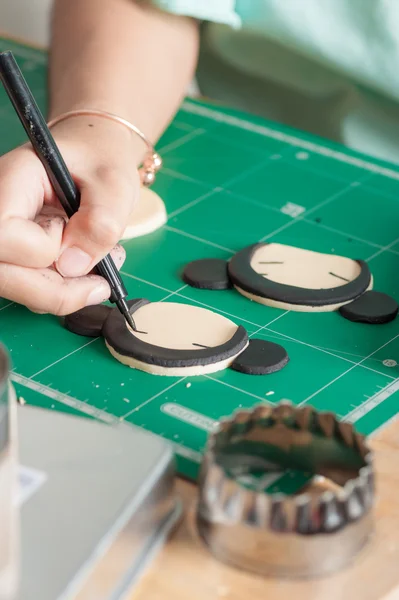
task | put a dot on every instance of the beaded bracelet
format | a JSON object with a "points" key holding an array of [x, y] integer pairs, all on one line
{"points": [[152, 161]]}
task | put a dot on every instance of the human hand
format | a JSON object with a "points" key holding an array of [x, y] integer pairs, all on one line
{"points": [[45, 262]]}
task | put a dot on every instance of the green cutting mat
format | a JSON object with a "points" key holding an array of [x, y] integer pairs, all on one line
{"points": [[229, 180]]}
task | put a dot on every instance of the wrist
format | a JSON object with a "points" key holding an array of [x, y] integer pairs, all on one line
{"points": [[100, 134]]}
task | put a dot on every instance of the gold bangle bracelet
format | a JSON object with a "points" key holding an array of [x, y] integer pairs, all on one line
{"points": [[152, 161]]}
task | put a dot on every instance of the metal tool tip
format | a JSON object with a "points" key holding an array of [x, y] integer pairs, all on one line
{"points": [[130, 320], [123, 307]]}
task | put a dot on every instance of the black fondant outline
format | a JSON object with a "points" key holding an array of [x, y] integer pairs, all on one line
{"points": [[127, 344], [243, 276]]}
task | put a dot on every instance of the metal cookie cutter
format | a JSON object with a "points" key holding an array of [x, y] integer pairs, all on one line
{"points": [[308, 534]]}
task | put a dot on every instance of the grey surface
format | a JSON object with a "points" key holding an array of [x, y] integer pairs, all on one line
{"points": [[108, 494]]}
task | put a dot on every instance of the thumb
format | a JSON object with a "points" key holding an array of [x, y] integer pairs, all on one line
{"points": [[97, 226]]}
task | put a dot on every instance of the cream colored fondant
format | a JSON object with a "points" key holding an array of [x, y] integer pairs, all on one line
{"points": [[148, 215], [179, 327]]}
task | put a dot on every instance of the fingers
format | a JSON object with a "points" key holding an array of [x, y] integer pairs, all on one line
{"points": [[31, 244], [24, 187], [118, 254], [24, 184], [106, 205], [108, 196], [46, 291]]}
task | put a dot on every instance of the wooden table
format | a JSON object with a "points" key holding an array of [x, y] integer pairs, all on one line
{"points": [[184, 569]]}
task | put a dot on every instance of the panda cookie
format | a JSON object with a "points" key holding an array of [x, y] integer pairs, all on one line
{"points": [[296, 279], [148, 215], [177, 339]]}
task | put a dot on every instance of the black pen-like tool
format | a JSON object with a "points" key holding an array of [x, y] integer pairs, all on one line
{"points": [[45, 147]]}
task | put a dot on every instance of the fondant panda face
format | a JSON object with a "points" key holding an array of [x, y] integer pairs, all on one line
{"points": [[296, 279], [293, 278], [174, 339], [177, 339]]}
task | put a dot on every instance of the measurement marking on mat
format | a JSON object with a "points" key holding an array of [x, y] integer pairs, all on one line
{"points": [[193, 202], [220, 117], [198, 239], [326, 201], [180, 141], [233, 387], [269, 323], [309, 221], [172, 385], [63, 357], [383, 249], [360, 363], [97, 413], [187, 452], [292, 210], [389, 362], [188, 416], [6, 306], [326, 351], [345, 234], [372, 402], [174, 293], [160, 287]]}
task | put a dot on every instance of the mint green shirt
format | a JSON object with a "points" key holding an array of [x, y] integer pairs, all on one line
{"points": [[330, 67]]}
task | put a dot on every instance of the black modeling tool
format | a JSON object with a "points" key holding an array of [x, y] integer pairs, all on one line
{"points": [[45, 147]]}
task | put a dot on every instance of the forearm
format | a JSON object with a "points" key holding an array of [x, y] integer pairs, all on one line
{"points": [[117, 56]]}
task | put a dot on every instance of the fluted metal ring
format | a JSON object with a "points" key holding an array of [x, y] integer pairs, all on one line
{"points": [[300, 535]]}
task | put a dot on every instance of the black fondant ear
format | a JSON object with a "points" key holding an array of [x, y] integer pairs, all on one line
{"points": [[371, 307], [88, 321], [261, 358], [207, 274]]}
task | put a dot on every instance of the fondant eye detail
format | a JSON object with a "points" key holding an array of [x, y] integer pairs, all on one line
{"points": [[338, 276]]}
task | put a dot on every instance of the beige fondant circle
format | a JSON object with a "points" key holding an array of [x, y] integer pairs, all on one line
{"points": [[148, 215], [179, 326], [303, 268]]}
